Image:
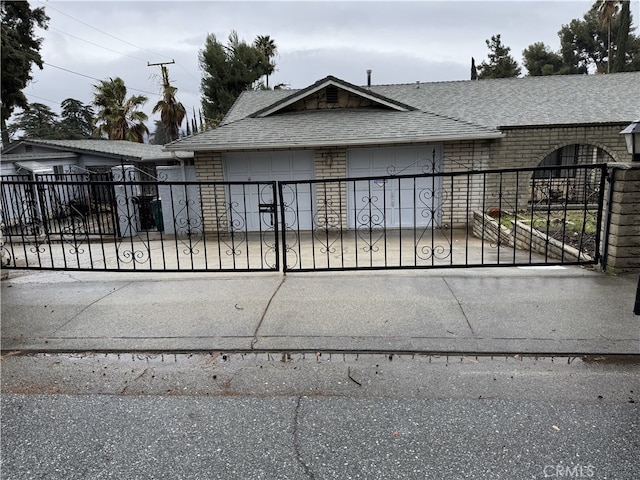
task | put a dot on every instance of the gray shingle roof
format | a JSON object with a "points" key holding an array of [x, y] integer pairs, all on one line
{"points": [[250, 102], [113, 148], [445, 111], [549, 100], [335, 127]]}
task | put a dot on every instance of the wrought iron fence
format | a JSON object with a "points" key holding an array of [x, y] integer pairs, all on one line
{"points": [[525, 216], [77, 224]]}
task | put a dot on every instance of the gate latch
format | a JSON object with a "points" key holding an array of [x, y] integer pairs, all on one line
{"points": [[267, 207]]}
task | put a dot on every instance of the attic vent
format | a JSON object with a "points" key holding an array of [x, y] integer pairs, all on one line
{"points": [[332, 94]]}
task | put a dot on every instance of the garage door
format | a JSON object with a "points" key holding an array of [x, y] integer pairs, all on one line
{"points": [[271, 166], [394, 203]]}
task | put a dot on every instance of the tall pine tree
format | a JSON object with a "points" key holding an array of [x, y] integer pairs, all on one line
{"points": [[20, 51], [228, 70], [501, 64]]}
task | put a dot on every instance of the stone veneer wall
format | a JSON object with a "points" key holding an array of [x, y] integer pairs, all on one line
{"points": [[623, 249]]}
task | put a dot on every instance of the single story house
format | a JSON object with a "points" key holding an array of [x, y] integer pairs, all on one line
{"points": [[25, 157], [335, 129], [83, 161]]}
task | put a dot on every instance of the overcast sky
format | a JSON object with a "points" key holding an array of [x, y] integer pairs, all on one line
{"points": [[401, 42]]}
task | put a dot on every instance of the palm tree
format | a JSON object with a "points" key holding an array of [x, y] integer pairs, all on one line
{"points": [[172, 112], [267, 46], [119, 118], [606, 10]]}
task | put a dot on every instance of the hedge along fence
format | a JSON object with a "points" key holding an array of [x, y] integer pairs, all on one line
{"points": [[524, 237]]}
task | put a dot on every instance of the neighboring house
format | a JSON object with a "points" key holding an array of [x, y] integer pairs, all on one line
{"points": [[334, 129], [87, 161], [84, 156]]}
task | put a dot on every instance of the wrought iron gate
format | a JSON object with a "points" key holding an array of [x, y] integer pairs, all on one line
{"points": [[525, 216], [127, 225]]}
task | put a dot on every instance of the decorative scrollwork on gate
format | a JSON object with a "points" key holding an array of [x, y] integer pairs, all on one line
{"points": [[327, 223], [127, 250], [434, 242], [188, 226], [74, 234], [134, 255], [370, 223], [235, 236], [292, 241], [425, 165]]}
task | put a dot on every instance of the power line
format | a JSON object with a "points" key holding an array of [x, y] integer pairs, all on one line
{"points": [[42, 98], [112, 36], [47, 5], [93, 78], [96, 79], [97, 45]]}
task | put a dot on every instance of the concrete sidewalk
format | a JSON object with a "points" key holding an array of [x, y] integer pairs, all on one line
{"points": [[561, 310]]}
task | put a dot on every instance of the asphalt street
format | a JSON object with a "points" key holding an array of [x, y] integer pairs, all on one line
{"points": [[502, 374], [265, 416]]}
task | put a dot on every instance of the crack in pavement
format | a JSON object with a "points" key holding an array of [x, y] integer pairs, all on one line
{"points": [[264, 313], [460, 306], [90, 305], [296, 441]]}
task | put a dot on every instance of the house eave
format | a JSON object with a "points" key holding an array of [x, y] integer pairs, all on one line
{"points": [[229, 147], [563, 125]]}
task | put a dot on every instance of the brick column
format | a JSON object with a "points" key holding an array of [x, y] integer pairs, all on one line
{"points": [[331, 199], [208, 166], [623, 252]]}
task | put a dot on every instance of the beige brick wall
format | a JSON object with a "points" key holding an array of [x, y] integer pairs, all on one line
{"points": [[208, 167], [331, 197], [527, 147], [623, 251], [464, 156]]}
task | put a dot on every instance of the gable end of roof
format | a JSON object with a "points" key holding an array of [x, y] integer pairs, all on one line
{"points": [[330, 80]]}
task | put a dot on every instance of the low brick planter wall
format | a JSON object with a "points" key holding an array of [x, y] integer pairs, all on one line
{"points": [[524, 238]]}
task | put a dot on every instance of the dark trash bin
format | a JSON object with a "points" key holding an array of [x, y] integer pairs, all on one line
{"points": [[156, 210], [144, 211]]}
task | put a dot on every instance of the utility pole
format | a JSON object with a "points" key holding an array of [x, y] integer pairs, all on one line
{"points": [[160, 63], [172, 112], [163, 68]]}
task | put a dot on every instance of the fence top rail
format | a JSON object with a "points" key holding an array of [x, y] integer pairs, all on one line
{"points": [[462, 173], [128, 182]]}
